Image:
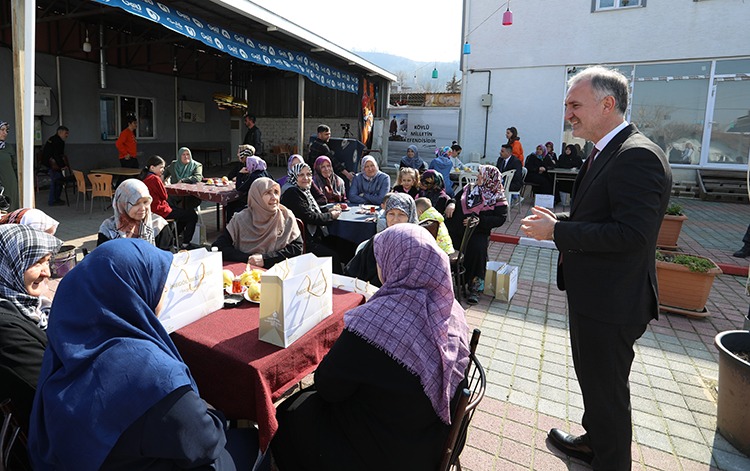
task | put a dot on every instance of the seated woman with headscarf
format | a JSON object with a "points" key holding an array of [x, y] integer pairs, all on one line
{"points": [[331, 185], [370, 185], [114, 392], [185, 218], [302, 203], [255, 168], [443, 165], [34, 218], [133, 219], [316, 192], [239, 167], [412, 160], [388, 381], [265, 232], [24, 309], [482, 203], [399, 208], [431, 186], [184, 170], [537, 165]]}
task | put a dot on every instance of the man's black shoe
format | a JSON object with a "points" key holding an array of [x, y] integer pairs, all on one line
{"points": [[742, 253], [571, 445], [57, 203]]}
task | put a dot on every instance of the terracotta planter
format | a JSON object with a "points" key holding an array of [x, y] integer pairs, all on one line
{"points": [[733, 413], [669, 231], [681, 288]]}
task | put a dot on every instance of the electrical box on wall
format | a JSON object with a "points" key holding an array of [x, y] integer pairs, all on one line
{"points": [[192, 112], [487, 99], [42, 101]]}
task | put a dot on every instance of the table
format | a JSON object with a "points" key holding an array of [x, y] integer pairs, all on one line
{"points": [[221, 195], [207, 154], [354, 227], [123, 171], [242, 376], [562, 174]]}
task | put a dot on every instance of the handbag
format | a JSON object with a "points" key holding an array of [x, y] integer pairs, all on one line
{"points": [[297, 294], [195, 288]]}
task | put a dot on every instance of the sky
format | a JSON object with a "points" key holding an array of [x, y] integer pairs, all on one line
{"points": [[421, 30]]}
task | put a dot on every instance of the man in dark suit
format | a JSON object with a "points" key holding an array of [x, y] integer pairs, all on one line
{"points": [[253, 135], [607, 262], [508, 161]]}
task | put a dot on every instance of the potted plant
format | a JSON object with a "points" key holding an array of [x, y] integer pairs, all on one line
{"points": [[671, 226], [684, 282], [733, 413]]}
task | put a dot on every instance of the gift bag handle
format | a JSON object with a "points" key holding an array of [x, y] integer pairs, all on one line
{"points": [[200, 280], [309, 285]]}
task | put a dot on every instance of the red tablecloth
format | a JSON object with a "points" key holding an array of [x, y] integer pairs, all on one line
{"points": [[215, 194], [242, 376]]}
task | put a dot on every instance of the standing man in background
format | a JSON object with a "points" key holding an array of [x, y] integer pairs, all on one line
{"points": [[253, 136], [53, 154], [320, 147], [607, 260], [127, 147]]}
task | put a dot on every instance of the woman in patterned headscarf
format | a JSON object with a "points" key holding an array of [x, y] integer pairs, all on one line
{"points": [[443, 164], [399, 208], [331, 185], [482, 203], [390, 376], [431, 186], [24, 309], [300, 200], [132, 217]]}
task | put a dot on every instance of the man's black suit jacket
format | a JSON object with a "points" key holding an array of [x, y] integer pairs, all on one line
{"points": [[607, 242], [513, 164]]}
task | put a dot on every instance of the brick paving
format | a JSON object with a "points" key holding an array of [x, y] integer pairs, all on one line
{"points": [[531, 385]]}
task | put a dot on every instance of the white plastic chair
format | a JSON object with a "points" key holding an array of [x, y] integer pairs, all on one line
{"points": [[465, 178], [474, 167]]}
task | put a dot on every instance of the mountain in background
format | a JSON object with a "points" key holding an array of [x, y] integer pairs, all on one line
{"points": [[406, 70]]}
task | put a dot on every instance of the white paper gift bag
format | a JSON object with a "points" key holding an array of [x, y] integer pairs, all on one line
{"points": [[297, 294], [501, 280], [354, 285], [194, 288]]}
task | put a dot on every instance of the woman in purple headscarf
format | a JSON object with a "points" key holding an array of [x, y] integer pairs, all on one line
{"points": [[388, 381], [482, 203], [330, 184], [255, 168]]}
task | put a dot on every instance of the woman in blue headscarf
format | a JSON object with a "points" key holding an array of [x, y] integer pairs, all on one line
{"points": [[114, 392], [443, 164]]}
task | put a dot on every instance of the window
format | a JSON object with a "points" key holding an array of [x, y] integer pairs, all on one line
{"points": [[599, 5], [114, 110]]}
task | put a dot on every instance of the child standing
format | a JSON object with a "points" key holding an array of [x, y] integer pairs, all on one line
{"points": [[425, 212]]}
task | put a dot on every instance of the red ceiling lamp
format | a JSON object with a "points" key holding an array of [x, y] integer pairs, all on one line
{"points": [[508, 16]]}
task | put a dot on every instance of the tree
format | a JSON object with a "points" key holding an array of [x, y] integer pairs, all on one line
{"points": [[454, 86]]}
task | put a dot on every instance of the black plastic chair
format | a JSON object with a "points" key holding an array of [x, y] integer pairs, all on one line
{"points": [[458, 271], [461, 417]]}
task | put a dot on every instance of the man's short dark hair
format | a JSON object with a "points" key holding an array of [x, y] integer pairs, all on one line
{"points": [[323, 128], [62, 128], [508, 147], [249, 116]]}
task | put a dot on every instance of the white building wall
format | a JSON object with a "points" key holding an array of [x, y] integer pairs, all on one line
{"points": [[528, 60]]}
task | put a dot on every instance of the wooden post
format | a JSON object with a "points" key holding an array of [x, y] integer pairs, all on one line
{"points": [[23, 21]]}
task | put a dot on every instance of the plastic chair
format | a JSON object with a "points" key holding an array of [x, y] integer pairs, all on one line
{"points": [[80, 187], [101, 185], [432, 226], [461, 417], [301, 226], [464, 178], [473, 166], [507, 177], [457, 260]]}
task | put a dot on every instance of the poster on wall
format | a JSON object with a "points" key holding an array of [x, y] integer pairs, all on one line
{"points": [[426, 128], [368, 109]]}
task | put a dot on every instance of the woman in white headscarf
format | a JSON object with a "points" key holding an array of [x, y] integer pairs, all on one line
{"points": [[32, 217], [370, 185], [132, 217]]}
